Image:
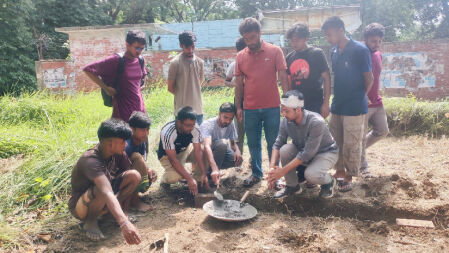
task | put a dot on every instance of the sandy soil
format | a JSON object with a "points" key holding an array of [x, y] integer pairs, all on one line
{"points": [[412, 182]]}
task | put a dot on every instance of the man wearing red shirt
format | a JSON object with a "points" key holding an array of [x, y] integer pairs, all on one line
{"points": [[259, 66], [376, 116]]}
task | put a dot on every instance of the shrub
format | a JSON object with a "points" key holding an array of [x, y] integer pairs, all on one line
{"points": [[410, 116]]}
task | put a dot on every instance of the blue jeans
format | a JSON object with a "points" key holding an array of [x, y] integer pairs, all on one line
{"points": [[269, 119]]}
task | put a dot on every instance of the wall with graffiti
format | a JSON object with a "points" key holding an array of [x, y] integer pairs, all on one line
{"points": [[410, 70]]}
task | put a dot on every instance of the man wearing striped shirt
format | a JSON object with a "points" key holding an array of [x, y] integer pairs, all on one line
{"points": [[180, 143]]}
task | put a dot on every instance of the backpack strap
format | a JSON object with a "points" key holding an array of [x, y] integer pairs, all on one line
{"points": [[142, 66], [120, 69]]}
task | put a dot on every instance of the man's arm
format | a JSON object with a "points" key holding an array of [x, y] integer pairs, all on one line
{"points": [[171, 86], [281, 140], [207, 142], [128, 229], [325, 109], [239, 97], [283, 78], [198, 152], [369, 79], [238, 159], [277, 173], [109, 90], [171, 78]]}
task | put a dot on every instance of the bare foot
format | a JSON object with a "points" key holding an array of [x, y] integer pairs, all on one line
{"points": [[92, 230], [340, 174], [142, 206]]}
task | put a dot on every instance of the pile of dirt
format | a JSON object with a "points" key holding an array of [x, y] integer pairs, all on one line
{"points": [[409, 183]]}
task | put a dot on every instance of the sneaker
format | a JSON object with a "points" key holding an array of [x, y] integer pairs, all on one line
{"points": [[287, 191], [327, 190], [165, 186]]}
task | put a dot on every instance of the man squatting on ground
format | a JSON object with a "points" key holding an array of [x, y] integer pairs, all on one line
{"points": [[186, 75], [353, 77], [230, 81], [180, 143], [137, 151], [219, 135], [376, 116], [103, 181], [312, 147], [128, 98]]}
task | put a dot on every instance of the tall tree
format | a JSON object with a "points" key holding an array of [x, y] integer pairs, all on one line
{"points": [[16, 47]]}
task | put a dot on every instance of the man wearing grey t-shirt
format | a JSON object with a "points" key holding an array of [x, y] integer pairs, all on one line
{"points": [[313, 151], [219, 135]]}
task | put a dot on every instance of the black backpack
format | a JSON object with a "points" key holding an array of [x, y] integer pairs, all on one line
{"points": [[107, 100]]}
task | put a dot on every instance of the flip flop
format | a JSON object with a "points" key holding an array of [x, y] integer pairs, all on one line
{"points": [[365, 174], [344, 186]]}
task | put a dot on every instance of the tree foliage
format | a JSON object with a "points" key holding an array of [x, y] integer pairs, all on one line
{"points": [[28, 27], [16, 47]]}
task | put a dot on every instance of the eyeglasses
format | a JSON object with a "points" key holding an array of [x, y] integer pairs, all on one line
{"points": [[139, 48]]}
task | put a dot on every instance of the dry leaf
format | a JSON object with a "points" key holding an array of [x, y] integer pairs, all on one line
{"points": [[45, 237]]}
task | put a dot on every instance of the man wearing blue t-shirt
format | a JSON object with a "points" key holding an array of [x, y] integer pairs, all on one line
{"points": [[136, 150], [353, 77]]}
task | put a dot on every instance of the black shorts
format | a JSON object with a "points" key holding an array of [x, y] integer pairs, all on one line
{"points": [[116, 182]]}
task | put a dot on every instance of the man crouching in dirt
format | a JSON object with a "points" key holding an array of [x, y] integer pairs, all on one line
{"points": [[312, 153], [137, 151], [220, 149], [180, 143], [102, 182]]}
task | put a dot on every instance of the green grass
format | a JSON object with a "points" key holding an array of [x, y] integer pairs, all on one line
{"points": [[53, 132], [410, 116]]}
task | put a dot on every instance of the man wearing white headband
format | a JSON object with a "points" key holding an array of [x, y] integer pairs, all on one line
{"points": [[313, 151]]}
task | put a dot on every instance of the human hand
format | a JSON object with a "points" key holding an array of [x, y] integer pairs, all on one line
{"points": [[275, 174], [215, 176], [325, 110], [240, 114], [205, 181], [193, 186], [130, 233], [238, 158], [152, 175], [110, 91]]}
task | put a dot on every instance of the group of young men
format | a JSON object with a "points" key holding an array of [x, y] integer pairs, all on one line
{"points": [[109, 177]]}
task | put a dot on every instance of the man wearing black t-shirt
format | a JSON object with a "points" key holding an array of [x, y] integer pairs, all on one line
{"points": [[180, 143], [308, 70]]}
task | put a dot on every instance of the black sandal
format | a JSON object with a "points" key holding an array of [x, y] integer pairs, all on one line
{"points": [[252, 180], [344, 186]]}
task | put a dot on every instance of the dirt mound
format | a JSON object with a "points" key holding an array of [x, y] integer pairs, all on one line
{"points": [[298, 239]]}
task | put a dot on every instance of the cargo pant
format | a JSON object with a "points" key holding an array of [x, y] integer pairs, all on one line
{"points": [[377, 118], [348, 133], [171, 176], [223, 154], [317, 170]]}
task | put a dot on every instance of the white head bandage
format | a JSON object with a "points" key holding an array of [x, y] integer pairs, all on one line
{"points": [[292, 102]]}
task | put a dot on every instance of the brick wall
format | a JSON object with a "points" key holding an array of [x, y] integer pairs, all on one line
{"points": [[420, 68]]}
